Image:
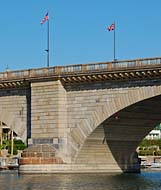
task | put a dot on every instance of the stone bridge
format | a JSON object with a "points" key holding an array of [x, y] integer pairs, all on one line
{"points": [[94, 115]]}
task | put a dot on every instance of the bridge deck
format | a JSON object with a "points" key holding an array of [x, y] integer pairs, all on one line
{"points": [[103, 71]]}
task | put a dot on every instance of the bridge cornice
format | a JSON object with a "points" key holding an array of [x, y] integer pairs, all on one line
{"points": [[84, 73]]}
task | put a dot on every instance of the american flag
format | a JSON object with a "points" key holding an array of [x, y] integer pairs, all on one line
{"points": [[111, 27], [46, 17]]}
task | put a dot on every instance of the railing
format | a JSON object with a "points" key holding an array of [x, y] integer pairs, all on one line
{"points": [[81, 68]]}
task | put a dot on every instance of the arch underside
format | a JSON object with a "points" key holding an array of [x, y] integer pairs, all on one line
{"points": [[13, 122], [113, 143]]}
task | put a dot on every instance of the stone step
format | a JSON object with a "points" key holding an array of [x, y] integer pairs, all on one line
{"points": [[40, 148], [95, 160]]}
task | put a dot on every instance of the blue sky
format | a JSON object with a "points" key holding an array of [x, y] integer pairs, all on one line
{"points": [[78, 32]]}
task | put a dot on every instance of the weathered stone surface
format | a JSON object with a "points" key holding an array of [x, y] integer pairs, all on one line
{"points": [[37, 160], [40, 154], [75, 118]]}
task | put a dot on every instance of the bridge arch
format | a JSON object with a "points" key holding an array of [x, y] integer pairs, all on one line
{"points": [[111, 113], [10, 119]]}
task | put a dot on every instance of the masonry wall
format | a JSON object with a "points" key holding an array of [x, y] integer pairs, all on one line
{"points": [[89, 105], [48, 114], [67, 116]]}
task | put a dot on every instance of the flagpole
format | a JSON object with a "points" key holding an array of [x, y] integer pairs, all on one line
{"points": [[46, 18], [48, 45], [48, 57], [114, 43]]}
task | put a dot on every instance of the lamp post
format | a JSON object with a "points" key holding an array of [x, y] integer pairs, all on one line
{"points": [[11, 142], [1, 131]]}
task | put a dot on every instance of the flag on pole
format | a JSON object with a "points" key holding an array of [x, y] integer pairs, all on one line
{"points": [[46, 17], [111, 27]]}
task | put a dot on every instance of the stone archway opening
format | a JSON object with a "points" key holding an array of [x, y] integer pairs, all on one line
{"points": [[133, 123], [112, 145], [9, 122]]}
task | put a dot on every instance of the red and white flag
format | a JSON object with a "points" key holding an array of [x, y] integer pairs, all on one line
{"points": [[46, 17], [111, 27]]}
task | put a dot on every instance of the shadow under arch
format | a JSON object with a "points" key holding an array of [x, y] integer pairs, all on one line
{"points": [[10, 119], [125, 129]]}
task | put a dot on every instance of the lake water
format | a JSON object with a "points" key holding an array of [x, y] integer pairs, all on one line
{"points": [[10, 180]]}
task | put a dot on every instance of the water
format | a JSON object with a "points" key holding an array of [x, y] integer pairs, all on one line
{"points": [[10, 180]]}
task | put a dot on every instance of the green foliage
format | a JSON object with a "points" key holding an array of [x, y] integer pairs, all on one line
{"points": [[17, 145], [1, 147], [147, 143], [158, 153], [150, 147], [140, 148], [4, 145], [149, 153], [146, 152], [15, 151]]}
